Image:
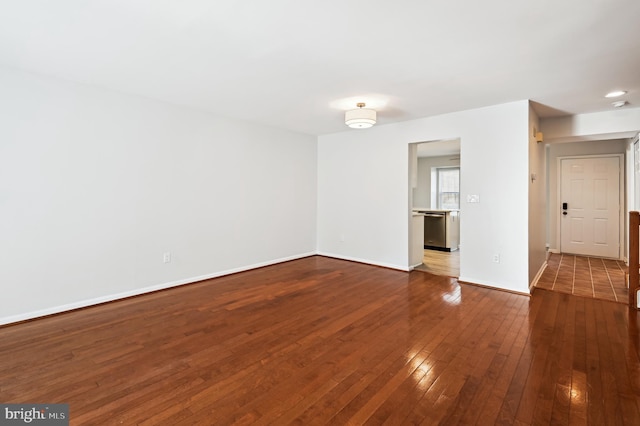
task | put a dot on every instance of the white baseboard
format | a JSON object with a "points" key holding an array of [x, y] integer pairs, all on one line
{"points": [[538, 275], [492, 286], [143, 290], [365, 261], [412, 267], [554, 251]]}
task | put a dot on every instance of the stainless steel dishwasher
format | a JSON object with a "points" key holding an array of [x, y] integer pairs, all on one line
{"points": [[435, 230]]}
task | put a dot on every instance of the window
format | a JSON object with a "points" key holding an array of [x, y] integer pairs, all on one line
{"points": [[448, 181]]}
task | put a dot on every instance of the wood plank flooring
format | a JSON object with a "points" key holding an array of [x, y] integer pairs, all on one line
{"points": [[323, 341], [583, 276], [441, 263]]}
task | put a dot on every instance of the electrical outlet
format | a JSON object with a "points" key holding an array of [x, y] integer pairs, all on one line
{"points": [[166, 257], [496, 258]]}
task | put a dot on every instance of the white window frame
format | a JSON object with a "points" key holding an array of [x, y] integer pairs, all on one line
{"points": [[435, 185]]}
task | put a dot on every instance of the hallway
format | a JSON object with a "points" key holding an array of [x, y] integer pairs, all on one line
{"points": [[585, 276]]}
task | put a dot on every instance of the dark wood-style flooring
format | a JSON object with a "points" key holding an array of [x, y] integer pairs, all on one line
{"points": [[565, 273], [325, 341]]}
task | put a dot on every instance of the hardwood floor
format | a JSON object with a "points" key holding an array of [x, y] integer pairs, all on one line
{"points": [[325, 341], [583, 276], [441, 263]]}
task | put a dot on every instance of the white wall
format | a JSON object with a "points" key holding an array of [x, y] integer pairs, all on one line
{"points": [[95, 186], [595, 126], [537, 200], [631, 190], [633, 176], [557, 150], [363, 197], [422, 193]]}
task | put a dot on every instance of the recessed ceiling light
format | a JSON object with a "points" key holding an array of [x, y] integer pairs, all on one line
{"points": [[615, 94], [619, 104]]}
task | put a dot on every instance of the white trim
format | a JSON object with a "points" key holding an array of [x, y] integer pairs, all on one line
{"points": [[621, 197], [490, 286], [538, 275], [139, 291], [365, 261]]}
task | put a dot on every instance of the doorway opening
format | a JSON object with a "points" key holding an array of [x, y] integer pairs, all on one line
{"points": [[434, 206], [590, 186]]}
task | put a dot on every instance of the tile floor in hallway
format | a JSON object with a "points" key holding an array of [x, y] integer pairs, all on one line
{"points": [[586, 276]]}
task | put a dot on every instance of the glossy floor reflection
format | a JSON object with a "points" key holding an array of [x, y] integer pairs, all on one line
{"points": [[325, 341]]}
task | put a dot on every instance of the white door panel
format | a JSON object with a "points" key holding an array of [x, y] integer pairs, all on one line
{"points": [[590, 225]]}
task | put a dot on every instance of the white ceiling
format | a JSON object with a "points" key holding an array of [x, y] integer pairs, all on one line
{"points": [[299, 64], [439, 148]]}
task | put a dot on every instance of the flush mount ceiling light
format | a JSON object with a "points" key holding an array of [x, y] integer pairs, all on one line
{"points": [[360, 118], [618, 104], [615, 94]]}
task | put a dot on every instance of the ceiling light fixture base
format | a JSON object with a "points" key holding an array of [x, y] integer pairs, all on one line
{"points": [[360, 118]]}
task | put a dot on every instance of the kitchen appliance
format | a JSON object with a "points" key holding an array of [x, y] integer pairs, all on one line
{"points": [[441, 229]]}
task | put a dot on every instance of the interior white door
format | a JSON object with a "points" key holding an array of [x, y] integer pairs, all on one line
{"points": [[590, 206]]}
